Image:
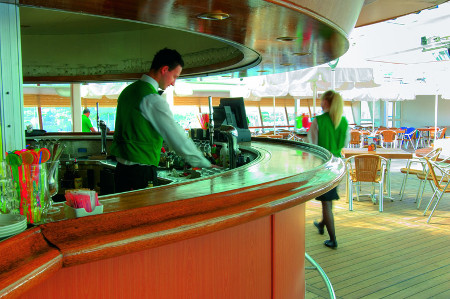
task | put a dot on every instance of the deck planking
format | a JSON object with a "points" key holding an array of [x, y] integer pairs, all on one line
{"points": [[393, 254]]}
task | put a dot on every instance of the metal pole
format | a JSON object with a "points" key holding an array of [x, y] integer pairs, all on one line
{"points": [[274, 116], [314, 98], [436, 102], [373, 115], [98, 119]]}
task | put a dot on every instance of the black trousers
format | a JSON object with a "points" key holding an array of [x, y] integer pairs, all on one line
{"points": [[133, 177]]}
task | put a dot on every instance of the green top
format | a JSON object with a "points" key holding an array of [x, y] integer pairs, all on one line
{"points": [[135, 138], [86, 124], [330, 138]]}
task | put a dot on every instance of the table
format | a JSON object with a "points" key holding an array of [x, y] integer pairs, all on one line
{"points": [[388, 153], [422, 131]]}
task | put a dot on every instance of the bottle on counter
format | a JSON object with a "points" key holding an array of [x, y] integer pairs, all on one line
{"points": [[224, 156], [77, 179], [67, 181]]}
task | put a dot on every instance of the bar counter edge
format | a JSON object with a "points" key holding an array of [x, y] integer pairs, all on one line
{"points": [[136, 222]]}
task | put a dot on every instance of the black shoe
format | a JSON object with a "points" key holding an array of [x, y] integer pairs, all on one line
{"points": [[330, 244], [319, 227]]}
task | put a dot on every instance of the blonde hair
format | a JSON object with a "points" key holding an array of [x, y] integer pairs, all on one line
{"points": [[336, 106]]}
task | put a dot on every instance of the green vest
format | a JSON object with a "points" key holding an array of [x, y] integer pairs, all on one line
{"points": [[330, 138], [86, 124], [135, 139]]}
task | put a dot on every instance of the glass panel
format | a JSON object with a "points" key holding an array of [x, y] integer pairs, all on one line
{"points": [[349, 114], [107, 114], [389, 112], [186, 116], [365, 111], [268, 117], [253, 118], [31, 117], [57, 119]]}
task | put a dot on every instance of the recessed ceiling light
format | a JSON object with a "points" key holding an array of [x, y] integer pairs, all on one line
{"points": [[262, 71], [216, 15], [286, 38], [301, 53]]}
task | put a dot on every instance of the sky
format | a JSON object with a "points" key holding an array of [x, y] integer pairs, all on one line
{"points": [[393, 48]]}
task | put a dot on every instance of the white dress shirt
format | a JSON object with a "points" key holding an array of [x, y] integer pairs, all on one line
{"points": [[156, 110]]}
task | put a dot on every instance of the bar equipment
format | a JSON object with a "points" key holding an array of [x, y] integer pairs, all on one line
{"points": [[211, 121], [231, 134], [103, 130]]}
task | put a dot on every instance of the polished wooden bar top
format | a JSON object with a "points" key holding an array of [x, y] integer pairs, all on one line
{"points": [[388, 153], [285, 174]]}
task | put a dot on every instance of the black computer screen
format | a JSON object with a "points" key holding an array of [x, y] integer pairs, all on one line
{"points": [[237, 117]]}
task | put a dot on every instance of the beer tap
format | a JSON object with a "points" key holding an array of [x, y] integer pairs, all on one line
{"points": [[103, 130], [231, 134], [211, 122]]}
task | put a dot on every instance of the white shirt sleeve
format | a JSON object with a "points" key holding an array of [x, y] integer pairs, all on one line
{"points": [[156, 110], [313, 133]]}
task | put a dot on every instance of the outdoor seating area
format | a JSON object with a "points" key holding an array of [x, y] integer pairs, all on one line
{"points": [[397, 253], [389, 232], [403, 137]]}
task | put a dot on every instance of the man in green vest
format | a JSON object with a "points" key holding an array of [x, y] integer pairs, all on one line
{"points": [[86, 125], [144, 120]]}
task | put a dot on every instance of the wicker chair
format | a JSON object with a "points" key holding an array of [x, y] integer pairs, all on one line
{"points": [[441, 181], [366, 168], [426, 176], [388, 138], [417, 166], [356, 139]]}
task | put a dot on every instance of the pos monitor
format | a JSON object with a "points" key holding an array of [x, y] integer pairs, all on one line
{"points": [[231, 111]]}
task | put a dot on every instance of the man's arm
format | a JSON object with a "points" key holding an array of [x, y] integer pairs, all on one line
{"points": [[155, 109]]}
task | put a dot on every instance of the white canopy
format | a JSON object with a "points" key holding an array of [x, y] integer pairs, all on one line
{"points": [[302, 83]]}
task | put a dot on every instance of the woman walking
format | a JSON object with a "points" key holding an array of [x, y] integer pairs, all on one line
{"points": [[329, 130]]}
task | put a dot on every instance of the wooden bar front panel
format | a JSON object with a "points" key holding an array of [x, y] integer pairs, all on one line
{"points": [[260, 259], [232, 263], [289, 253]]}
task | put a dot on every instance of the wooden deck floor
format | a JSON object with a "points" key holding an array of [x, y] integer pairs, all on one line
{"points": [[393, 254]]}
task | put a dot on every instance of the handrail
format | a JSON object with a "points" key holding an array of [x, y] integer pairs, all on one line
{"points": [[322, 273]]}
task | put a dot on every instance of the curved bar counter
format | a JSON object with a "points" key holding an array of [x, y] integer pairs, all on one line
{"points": [[239, 234]]}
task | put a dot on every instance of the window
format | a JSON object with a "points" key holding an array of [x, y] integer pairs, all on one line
{"points": [[107, 114], [269, 117], [186, 116], [57, 119], [349, 114], [52, 103], [31, 117]]}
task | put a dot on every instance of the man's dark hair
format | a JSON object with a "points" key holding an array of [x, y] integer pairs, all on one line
{"points": [[168, 57], [86, 110]]}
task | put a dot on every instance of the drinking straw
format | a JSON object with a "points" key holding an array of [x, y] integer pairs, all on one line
{"points": [[26, 189], [27, 157], [44, 154], [14, 161]]}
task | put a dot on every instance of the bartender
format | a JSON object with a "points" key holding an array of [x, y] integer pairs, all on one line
{"points": [[86, 125], [144, 120]]}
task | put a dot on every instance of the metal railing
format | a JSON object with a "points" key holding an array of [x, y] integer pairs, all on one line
{"points": [[316, 266]]}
